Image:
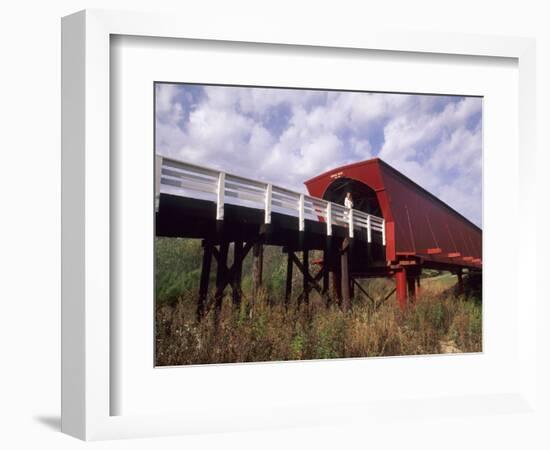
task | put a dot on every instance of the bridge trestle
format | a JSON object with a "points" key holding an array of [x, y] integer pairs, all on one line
{"points": [[225, 275]]}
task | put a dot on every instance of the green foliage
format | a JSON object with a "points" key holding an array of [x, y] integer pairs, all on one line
{"points": [[177, 268]]}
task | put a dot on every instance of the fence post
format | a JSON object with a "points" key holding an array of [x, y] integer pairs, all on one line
{"points": [[368, 229], [329, 219], [344, 270], [268, 204], [220, 198], [350, 219], [301, 212]]}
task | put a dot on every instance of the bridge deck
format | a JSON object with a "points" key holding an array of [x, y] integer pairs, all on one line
{"points": [[197, 202]]}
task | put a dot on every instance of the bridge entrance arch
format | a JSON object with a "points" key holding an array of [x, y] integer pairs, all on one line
{"points": [[364, 197]]}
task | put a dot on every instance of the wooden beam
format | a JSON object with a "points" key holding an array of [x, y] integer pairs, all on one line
{"points": [[363, 291], [326, 276], [205, 278], [337, 285], [460, 283], [431, 251], [237, 273], [221, 279], [401, 288], [309, 281], [408, 263], [346, 301], [257, 268], [304, 271], [288, 290], [411, 287]]}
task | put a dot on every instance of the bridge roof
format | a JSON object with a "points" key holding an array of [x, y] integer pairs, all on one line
{"points": [[419, 225]]}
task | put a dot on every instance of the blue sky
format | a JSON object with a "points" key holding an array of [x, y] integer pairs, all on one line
{"points": [[286, 136]]}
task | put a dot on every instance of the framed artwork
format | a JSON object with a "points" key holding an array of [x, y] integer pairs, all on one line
{"points": [[251, 219]]}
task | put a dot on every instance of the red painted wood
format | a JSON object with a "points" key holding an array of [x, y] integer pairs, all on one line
{"points": [[416, 220], [401, 288]]}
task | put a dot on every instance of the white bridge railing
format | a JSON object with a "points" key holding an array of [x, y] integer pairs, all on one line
{"points": [[188, 180]]}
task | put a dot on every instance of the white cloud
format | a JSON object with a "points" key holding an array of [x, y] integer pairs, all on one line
{"points": [[288, 136]]}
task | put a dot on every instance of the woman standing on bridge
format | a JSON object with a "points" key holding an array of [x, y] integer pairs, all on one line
{"points": [[348, 202]]}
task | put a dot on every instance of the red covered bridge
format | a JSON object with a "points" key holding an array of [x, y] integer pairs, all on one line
{"points": [[395, 228], [421, 230]]}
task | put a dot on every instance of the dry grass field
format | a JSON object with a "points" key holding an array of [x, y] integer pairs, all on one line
{"points": [[439, 322]]}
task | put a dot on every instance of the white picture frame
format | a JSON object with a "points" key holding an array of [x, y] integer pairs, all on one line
{"points": [[86, 283]]}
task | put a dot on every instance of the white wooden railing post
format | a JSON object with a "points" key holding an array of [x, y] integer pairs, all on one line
{"points": [[368, 229], [268, 203], [383, 232], [350, 223], [220, 198], [329, 219], [301, 212]]}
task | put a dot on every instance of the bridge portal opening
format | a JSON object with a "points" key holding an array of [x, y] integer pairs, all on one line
{"points": [[364, 197]]}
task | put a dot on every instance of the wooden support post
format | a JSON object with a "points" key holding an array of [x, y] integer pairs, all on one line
{"points": [[257, 274], [325, 276], [237, 273], [336, 283], [401, 288], [221, 279], [288, 290], [205, 277], [346, 301], [257, 267], [460, 283], [418, 288], [305, 262], [411, 287], [327, 266]]}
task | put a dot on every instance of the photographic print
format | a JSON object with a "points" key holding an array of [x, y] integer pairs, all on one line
{"points": [[303, 224]]}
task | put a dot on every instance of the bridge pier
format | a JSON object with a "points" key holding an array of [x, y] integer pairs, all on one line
{"points": [[401, 287], [257, 267], [221, 279], [205, 278], [305, 276], [411, 287], [326, 276], [345, 280], [288, 288], [460, 283], [407, 284], [237, 273], [309, 282], [337, 285], [224, 275]]}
